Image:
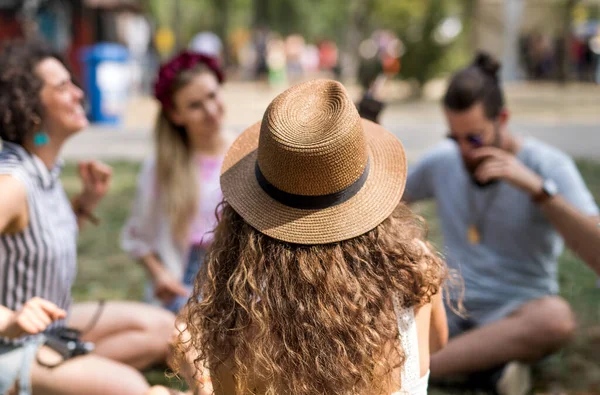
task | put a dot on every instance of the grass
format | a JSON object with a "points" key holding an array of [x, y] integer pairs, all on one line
{"points": [[106, 272]]}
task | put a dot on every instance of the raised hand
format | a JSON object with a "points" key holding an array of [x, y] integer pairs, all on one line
{"points": [[95, 177], [501, 165]]}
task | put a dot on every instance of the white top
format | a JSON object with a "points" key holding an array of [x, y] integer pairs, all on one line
{"points": [[148, 229], [412, 382]]}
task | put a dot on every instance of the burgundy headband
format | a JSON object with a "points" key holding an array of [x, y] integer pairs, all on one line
{"points": [[183, 61]]}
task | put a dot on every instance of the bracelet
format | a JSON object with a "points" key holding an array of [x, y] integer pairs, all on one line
{"points": [[80, 211]]}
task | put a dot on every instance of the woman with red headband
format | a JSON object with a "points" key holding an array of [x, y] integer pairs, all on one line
{"points": [[178, 190]]}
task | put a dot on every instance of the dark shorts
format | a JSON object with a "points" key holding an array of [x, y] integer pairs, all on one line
{"points": [[192, 268], [481, 314]]}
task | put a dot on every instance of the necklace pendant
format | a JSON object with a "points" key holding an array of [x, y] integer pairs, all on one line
{"points": [[473, 235]]}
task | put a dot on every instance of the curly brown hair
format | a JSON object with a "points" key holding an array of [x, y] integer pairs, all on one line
{"points": [[20, 103], [308, 319]]}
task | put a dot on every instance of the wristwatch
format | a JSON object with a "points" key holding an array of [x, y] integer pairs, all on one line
{"points": [[549, 189]]}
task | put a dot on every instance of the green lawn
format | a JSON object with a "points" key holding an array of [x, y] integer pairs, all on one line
{"points": [[106, 272]]}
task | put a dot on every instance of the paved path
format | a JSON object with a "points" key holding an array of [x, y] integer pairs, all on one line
{"points": [[568, 118], [579, 140]]}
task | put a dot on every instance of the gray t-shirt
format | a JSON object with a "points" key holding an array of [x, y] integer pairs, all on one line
{"points": [[519, 248]]}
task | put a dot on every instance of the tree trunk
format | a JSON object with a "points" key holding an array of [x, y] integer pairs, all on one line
{"points": [[565, 50], [513, 14], [221, 8], [359, 14], [470, 18], [261, 14], [179, 44], [28, 12]]}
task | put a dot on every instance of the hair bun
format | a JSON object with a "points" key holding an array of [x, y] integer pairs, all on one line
{"points": [[488, 64]]}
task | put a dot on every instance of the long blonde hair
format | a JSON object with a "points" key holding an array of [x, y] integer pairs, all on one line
{"points": [[175, 175]]}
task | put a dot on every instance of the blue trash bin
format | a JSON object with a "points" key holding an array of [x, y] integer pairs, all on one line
{"points": [[106, 81]]}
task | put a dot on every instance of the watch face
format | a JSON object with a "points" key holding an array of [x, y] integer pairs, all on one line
{"points": [[550, 187]]}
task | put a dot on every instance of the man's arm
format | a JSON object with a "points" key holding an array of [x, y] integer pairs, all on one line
{"points": [[580, 232]]}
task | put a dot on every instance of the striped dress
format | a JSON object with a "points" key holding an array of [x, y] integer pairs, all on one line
{"points": [[41, 260]]}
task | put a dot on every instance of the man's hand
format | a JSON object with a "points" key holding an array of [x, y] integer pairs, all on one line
{"points": [[95, 177], [33, 318], [501, 165]]}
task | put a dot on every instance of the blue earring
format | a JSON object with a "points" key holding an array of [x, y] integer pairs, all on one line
{"points": [[41, 138]]}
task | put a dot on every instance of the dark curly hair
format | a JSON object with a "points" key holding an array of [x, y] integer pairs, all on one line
{"points": [[308, 319], [477, 83], [20, 104]]}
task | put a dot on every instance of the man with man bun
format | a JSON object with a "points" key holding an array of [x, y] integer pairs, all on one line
{"points": [[507, 205]]}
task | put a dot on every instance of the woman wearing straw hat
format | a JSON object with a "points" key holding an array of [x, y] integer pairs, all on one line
{"points": [[318, 280]]}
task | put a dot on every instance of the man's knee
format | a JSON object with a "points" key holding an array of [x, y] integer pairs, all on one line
{"points": [[561, 320], [551, 321]]}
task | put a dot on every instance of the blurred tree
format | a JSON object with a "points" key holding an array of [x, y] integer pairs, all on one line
{"points": [[347, 22], [416, 23], [179, 43], [221, 28], [260, 13], [470, 13], [314, 19], [187, 17], [360, 17]]}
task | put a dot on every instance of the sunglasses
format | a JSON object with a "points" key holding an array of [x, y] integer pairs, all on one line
{"points": [[473, 139]]}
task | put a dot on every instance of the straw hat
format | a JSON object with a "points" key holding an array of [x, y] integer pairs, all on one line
{"points": [[314, 172]]}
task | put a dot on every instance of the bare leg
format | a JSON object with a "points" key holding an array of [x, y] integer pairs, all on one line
{"points": [[90, 375], [134, 333], [537, 329], [198, 380], [160, 390]]}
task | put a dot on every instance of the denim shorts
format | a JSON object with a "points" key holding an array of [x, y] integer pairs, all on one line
{"points": [[16, 362], [197, 255]]}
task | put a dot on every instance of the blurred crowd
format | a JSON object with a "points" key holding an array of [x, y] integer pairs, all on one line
{"points": [[540, 60]]}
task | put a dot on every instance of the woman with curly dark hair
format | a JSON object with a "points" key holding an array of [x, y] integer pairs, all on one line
{"points": [[319, 280], [40, 108]]}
